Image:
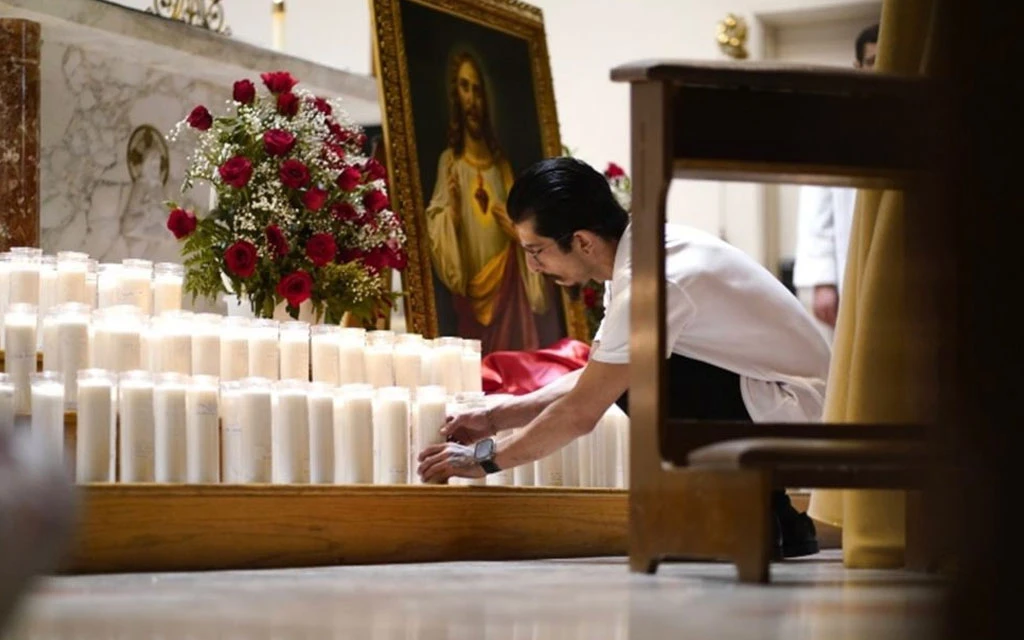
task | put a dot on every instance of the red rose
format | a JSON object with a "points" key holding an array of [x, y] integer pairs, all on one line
{"points": [[344, 211], [614, 171], [375, 201], [374, 170], [295, 287], [340, 134], [200, 118], [589, 297], [240, 259], [278, 142], [294, 174], [377, 259], [236, 172], [334, 152], [350, 255], [321, 249], [322, 106], [397, 258], [244, 92], [181, 223], [314, 199], [278, 243], [288, 104], [278, 81], [361, 140], [349, 178]]}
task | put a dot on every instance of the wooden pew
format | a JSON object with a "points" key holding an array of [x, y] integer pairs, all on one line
{"points": [[702, 490]]}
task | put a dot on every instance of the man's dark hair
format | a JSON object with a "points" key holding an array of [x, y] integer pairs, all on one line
{"points": [[866, 37], [564, 195], [457, 119]]}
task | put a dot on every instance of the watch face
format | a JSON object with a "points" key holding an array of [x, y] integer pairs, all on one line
{"points": [[484, 450]]}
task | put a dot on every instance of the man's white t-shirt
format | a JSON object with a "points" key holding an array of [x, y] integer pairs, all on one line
{"points": [[725, 309]]}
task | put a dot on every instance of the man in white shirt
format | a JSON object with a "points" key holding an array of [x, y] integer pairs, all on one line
{"points": [[741, 347], [825, 217]]}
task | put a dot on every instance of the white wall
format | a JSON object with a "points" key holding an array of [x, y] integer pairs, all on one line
{"points": [[586, 39]]}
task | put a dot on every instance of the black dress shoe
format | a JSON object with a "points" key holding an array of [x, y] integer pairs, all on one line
{"points": [[795, 535]]}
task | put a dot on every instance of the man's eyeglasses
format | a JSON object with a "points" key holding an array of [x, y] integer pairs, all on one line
{"points": [[535, 253]]}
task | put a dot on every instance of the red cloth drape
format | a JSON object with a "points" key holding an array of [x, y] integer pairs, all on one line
{"points": [[520, 372]]}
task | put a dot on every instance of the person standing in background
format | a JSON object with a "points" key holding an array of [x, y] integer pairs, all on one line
{"points": [[825, 219]]}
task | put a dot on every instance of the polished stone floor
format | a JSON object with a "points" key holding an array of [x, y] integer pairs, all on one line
{"points": [[542, 600]]}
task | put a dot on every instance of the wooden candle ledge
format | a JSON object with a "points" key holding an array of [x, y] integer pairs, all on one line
{"points": [[154, 527]]}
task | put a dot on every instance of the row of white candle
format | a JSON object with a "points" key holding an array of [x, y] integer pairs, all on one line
{"points": [[27, 276], [167, 428], [123, 339]]}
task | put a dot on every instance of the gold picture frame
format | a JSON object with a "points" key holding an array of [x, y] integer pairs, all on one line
{"points": [[408, 37]]}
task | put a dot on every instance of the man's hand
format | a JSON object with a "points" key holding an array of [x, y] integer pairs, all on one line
{"points": [[468, 427], [826, 303], [438, 462]]}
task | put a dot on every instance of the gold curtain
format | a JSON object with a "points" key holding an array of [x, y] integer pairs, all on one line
{"points": [[871, 371]]}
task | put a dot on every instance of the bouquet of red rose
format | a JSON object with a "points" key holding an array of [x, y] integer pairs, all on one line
{"points": [[301, 214]]}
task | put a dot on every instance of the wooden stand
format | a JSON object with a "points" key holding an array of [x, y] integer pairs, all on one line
{"points": [[152, 527]]}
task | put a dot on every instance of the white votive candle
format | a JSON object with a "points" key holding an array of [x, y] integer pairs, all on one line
{"points": [[505, 477], [321, 433], [447, 364], [464, 402], [170, 430], [6, 404], [206, 328], [202, 430], [5, 287], [391, 435], [353, 434], [20, 354], [294, 350], [92, 283], [408, 359], [72, 272], [48, 412], [234, 349], [548, 471], [168, 279], [47, 289], [231, 454], [351, 362], [72, 331], [571, 464], [173, 348], [137, 426], [49, 345], [108, 285], [255, 414], [472, 376], [523, 475], [291, 432], [263, 350], [96, 424], [23, 285], [379, 357], [136, 284], [324, 341], [428, 416], [117, 338]]}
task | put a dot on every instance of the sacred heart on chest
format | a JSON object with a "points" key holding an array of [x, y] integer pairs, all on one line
{"points": [[481, 196]]}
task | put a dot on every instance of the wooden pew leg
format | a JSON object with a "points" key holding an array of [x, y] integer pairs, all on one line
{"points": [[705, 515]]}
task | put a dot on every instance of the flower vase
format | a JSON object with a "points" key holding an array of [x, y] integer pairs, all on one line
{"points": [[242, 308]]}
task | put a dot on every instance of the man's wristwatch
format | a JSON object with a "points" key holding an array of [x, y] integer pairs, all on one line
{"points": [[484, 452]]}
